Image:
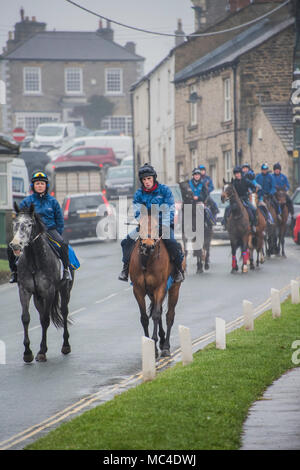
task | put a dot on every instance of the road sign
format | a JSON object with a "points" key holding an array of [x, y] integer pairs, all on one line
{"points": [[19, 134]]}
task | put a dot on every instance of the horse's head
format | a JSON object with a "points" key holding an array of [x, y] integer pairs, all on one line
{"points": [[25, 228], [227, 192], [281, 196]]}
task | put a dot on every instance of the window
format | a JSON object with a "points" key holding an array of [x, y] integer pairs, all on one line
{"points": [[228, 165], [32, 80], [78, 153], [118, 123], [227, 100], [113, 81], [194, 158], [30, 121], [193, 108], [73, 81]]}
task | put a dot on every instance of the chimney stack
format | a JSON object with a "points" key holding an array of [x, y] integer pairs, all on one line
{"points": [[130, 47], [180, 34], [106, 33]]}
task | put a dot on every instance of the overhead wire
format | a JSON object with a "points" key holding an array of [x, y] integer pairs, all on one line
{"points": [[135, 28]]}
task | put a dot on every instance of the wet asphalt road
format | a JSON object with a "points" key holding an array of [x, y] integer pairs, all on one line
{"points": [[106, 335]]}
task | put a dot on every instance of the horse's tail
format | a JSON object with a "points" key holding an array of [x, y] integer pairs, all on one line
{"points": [[55, 313]]}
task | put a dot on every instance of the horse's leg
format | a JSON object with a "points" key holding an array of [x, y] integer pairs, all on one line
{"points": [[251, 251], [65, 298], [42, 305], [234, 267], [245, 255], [140, 298], [25, 299], [198, 254], [172, 301], [156, 313], [207, 250]]}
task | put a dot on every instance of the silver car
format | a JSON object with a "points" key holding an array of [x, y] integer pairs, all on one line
{"points": [[218, 229]]}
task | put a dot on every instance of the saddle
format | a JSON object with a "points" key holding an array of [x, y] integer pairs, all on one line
{"points": [[74, 263]]}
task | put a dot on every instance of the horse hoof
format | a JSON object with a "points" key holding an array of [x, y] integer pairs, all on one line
{"points": [[66, 349], [245, 269], [206, 267], [165, 353], [28, 358], [252, 267], [41, 358]]}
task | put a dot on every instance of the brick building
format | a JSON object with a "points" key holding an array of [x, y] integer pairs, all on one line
{"points": [[241, 83], [48, 73]]}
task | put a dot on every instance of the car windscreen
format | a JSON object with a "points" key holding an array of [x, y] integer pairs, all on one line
{"points": [[216, 197], [50, 131], [86, 202], [296, 198], [121, 172]]}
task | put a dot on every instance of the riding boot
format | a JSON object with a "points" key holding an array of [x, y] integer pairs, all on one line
{"points": [[124, 273], [13, 277], [178, 275]]}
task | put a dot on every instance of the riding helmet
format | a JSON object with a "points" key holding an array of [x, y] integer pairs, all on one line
{"points": [[237, 169], [202, 167], [39, 175], [196, 171], [264, 166], [147, 170], [277, 166], [246, 165]]}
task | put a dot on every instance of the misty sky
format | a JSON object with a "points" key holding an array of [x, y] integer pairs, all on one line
{"points": [[157, 15]]}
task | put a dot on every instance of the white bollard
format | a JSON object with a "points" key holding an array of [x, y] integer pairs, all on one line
{"points": [[248, 315], [186, 344], [295, 292], [148, 359], [220, 333], [275, 303]]}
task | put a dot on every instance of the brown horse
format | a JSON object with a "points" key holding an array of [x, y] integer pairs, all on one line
{"points": [[256, 240], [271, 229], [150, 269], [238, 225], [281, 222]]}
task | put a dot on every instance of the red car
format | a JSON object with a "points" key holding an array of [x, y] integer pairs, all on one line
{"points": [[104, 157], [296, 231]]}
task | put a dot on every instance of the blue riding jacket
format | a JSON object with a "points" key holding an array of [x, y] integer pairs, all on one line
{"points": [[199, 189], [161, 196], [267, 184], [48, 208], [210, 186], [281, 181]]}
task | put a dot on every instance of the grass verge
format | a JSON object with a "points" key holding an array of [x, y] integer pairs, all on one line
{"points": [[199, 406], [4, 271]]}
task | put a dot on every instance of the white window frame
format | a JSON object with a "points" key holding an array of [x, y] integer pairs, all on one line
{"points": [[228, 165], [74, 70], [227, 99], [108, 89], [193, 108], [109, 123], [21, 118], [27, 70]]}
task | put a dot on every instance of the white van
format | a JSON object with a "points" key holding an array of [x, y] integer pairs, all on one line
{"points": [[53, 135], [20, 180]]}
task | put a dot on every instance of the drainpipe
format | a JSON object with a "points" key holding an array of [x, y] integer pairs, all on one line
{"points": [[133, 140], [149, 121], [236, 156]]}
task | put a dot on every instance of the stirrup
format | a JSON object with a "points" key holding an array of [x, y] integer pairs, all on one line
{"points": [[13, 277], [66, 275], [179, 276], [124, 273]]}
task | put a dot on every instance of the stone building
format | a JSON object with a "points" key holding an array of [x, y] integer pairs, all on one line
{"points": [[48, 73], [232, 104]]}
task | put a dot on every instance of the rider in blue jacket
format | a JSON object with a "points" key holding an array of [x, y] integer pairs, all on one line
{"points": [[151, 193], [281, 182], [266, 181], [199, 189], [51, 214], [247, 172], [207, 181]]}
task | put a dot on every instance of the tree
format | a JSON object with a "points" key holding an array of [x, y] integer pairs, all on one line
{"points": [[97, 108]]}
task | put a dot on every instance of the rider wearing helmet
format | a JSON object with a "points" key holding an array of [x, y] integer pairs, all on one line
{"points": [[266, 181], [151, 193], [281, 182], [247, 172], [242, 187], [51, 214], [207, 181], [199, 189]]}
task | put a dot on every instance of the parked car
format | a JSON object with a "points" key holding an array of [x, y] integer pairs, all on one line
{"points": [[175, 188], [52, 135], [218, 229], [34, 160], [119, 181], [127, 161], [82, 213], [20, 180], [104, 157], [296, 231]]}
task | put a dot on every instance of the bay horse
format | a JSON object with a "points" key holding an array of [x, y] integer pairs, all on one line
{"points": [[150, 269], [238, 225], [257, 239], [39, 275], [271, 229], [202, 254]]}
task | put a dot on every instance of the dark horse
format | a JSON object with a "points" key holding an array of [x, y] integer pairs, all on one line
{"points": [[238, 226], [276, 231], [150, 268], [257, 239], [39, 275], [202, 254]]}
